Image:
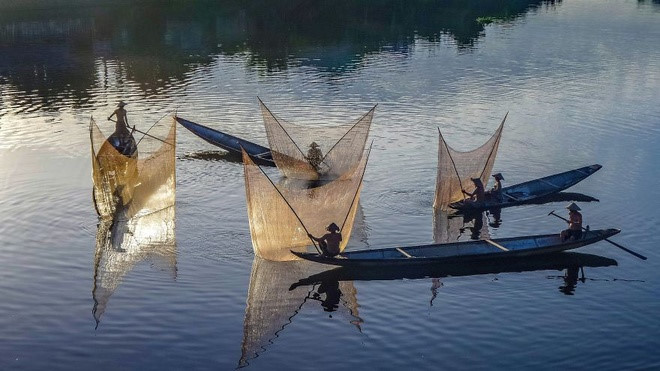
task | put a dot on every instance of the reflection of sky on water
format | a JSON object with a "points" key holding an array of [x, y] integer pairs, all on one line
{"points": [[580, 80], [55, 51]]}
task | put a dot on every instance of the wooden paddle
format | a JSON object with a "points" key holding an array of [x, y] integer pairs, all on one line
{"points": [[612, 242]]}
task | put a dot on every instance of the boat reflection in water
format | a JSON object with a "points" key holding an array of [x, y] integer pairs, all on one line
{"points": [[453, 225], [449, 226], [272, 304], [570, 261], [122, 244]]}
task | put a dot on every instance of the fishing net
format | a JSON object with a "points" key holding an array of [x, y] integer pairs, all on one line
{"points": [[137, 185], [340, 147], [121, 245], [272, 303], [274, 226], [456, 169]]}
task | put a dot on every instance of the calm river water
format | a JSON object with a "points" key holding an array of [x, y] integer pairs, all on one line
{"points": [[580, 80]]}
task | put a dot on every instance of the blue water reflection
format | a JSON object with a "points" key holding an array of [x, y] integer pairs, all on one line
{"points": [[579, 79]]}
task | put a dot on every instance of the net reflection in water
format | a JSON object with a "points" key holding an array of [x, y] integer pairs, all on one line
{"points": [[272, 302], [122, 244]]}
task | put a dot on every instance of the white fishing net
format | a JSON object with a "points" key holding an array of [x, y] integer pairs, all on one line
{"points": [[340, 147], [456, 169]]}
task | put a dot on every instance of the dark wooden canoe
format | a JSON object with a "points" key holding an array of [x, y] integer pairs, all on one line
{"points": [[530, 191], [230, 143], [556, 261], [500, 248]]}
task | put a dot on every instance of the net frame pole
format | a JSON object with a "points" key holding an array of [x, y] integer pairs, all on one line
{"points": [[151, 127], [147, 134]]}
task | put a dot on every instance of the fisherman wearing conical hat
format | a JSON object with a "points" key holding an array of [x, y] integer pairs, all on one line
{"points": [[496, 191], [122, 139], [314, 156], [479, 194], [120, 112], [574, 230], [329, 243]]}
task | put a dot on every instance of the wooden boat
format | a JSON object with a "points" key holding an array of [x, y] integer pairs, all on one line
{"points": [[557, 261], [530, 191], [500, 248], [230, 143]]}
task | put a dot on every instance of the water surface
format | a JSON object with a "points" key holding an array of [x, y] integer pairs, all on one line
{"points": [[579, 79]]}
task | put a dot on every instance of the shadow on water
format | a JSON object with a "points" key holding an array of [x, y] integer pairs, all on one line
{"points": [[123, 244], [571, 261], [213, 156], [272, 306], [56, 49]]}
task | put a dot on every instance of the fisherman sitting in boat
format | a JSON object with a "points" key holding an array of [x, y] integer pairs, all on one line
{"points": [[496, 192], [314, 156], [329, 243], [479, 194], [122, 139], [574, 230]]}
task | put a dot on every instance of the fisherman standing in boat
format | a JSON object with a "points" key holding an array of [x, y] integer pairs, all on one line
{"points": [[479, 194], [314, 156], [574, 230], [496, 191], [329, 243], [122, 139]]}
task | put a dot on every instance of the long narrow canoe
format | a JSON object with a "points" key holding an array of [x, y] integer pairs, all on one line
{"points": [[558, 261], [530, 191], [500, 248], [228, 142]]}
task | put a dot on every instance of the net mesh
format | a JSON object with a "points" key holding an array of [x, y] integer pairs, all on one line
{"points": [[456, 169], [272, 304], [121, 245], [274, 226], [340, 147], [136, 185]]}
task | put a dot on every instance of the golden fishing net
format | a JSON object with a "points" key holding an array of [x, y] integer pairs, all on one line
{"points": [[272, 304], [456, 169], [274, 227], [122, 244], [137, 185], [341, 146]]}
